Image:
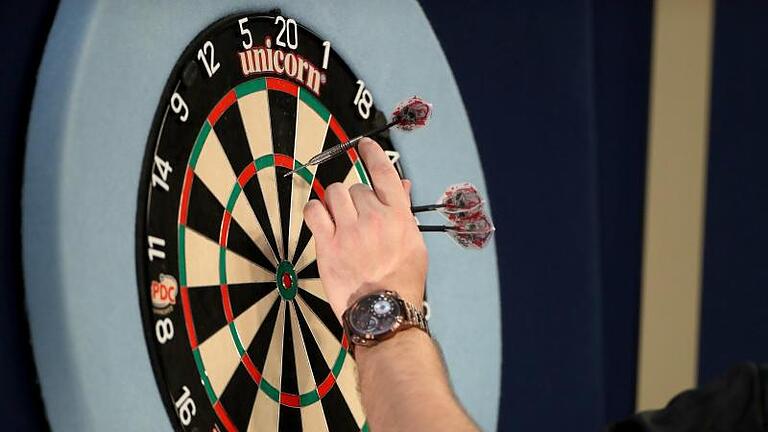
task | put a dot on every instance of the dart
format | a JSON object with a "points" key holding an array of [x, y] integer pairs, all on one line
{"points": [[470, 233], [458, 201], [408, 115]]}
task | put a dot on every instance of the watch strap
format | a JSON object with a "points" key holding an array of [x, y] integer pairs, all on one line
{"points": [[415, 317]]}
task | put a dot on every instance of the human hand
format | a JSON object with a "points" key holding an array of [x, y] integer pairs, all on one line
{"points": [[367, 240]]}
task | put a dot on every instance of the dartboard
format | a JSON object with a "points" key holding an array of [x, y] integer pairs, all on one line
{"points": [[239, 330], [165, 101]]}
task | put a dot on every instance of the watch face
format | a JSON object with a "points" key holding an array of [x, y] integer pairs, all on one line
{"points": [[240, 334], [374, 315]]}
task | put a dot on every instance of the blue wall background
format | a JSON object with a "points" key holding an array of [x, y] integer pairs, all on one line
{"points": [[558, 97]]}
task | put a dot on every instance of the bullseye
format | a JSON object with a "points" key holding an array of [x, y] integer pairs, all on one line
{"points": [[285, 276]]}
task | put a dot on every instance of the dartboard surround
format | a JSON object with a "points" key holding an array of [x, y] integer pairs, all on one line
{"points": [[239, 331]]}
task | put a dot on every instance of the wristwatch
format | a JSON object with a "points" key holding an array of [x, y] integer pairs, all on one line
{"points": [[379, 315]]}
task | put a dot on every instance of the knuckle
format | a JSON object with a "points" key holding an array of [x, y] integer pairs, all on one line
{"points": [[309, 213], [356, 191], [358, 188], [310, 207], [333, 187], [375, 220], [335, 190]]}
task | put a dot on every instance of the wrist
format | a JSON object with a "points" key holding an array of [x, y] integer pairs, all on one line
{"points": [[412, 293], [409, 340]]}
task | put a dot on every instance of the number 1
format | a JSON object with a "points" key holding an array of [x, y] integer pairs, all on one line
{"points": [[326, 53]]}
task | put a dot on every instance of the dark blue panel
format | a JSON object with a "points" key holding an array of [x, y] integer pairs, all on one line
{"points": [[23, 30], [734, 321], [622, 67], [525, 69]]}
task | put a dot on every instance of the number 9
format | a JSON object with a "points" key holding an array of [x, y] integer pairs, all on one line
{"points": [[179, 107]]}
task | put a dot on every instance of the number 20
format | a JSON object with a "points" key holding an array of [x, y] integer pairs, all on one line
{"points": [[291, 31]]}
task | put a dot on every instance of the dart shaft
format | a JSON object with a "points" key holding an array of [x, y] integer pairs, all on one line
{"points": [[408, 115], [343, 147], [426, 208], [433, 228]]}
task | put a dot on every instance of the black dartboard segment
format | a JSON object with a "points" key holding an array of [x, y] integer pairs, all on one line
{"points": [[239, 332]]}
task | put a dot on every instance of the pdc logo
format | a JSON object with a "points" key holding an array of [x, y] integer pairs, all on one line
{"points": [[164, 294]]}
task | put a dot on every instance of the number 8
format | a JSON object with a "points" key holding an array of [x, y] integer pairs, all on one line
{"points": [[164, 330]]}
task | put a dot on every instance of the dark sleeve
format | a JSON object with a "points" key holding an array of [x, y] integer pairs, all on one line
{"points": [[736, 402]]}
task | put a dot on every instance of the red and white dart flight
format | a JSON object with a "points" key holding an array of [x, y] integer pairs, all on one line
{"points": [[473, 232], [408, 115], [462, 205], [458, 201]]}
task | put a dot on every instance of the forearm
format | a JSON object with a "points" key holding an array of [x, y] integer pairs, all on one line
{"points": [[367, 242], [405, 387]]}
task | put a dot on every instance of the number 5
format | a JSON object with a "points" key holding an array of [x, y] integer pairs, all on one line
{"points": [[244, 31]]}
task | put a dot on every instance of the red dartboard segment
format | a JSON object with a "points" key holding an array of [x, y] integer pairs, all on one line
{"points": [[343, 137], [283, 86], [345, 342], [224, 417], [284, 161], [224, 228], [226, 303], [221, 107], [352, 155], [247, 174], [189, 323], [319, 189], [337, 130], [251, 368], [184, 205], [290, 400], [326, 385]]}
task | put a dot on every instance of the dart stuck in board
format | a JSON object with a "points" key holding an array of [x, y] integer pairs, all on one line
{"points": [[408, 115]]}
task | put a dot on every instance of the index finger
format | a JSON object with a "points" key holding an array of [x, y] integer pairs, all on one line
{"points": [[386, 182]]}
